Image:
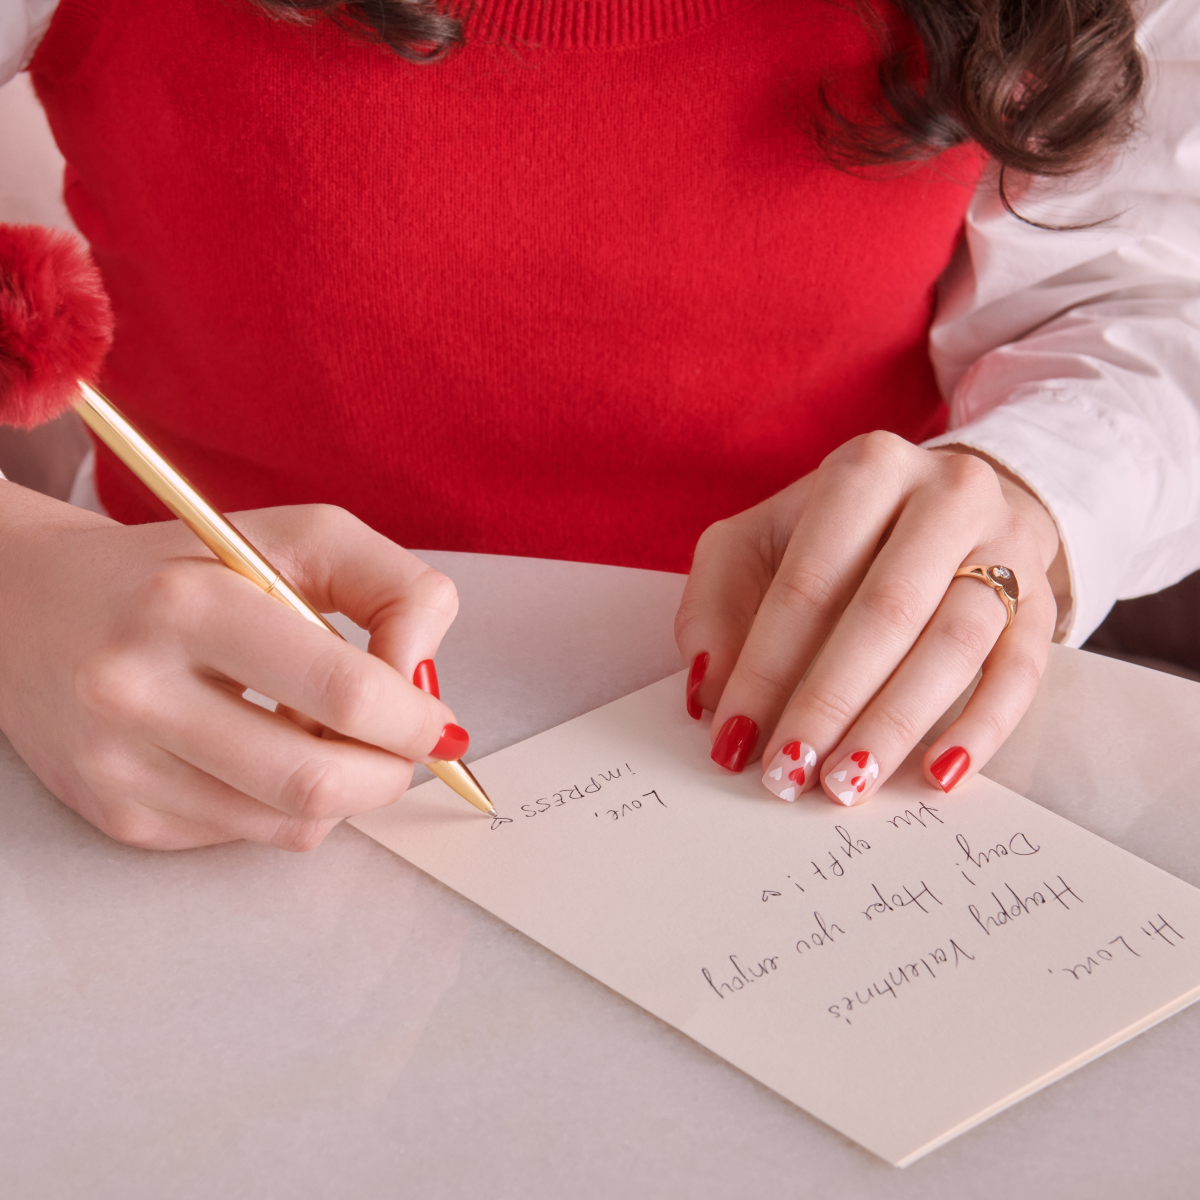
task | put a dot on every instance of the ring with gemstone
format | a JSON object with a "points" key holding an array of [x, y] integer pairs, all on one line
{"points": [[1001, 580]]}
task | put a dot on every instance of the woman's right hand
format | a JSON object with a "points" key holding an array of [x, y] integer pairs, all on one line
{"points": [[124, 653]]}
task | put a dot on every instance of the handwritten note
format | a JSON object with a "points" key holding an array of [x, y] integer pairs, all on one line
{"points": [[901, 970]]}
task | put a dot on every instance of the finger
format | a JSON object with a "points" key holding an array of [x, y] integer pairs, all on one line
{"points": [[853, 502], [268, 758], [159, 802], [944, 660], [342, 565], [1011, 675], [895, 601], [239, 633], [723, 591], [732, 569]]}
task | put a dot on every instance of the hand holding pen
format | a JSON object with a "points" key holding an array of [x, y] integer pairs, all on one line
{"points": [[133, 712], [128, 649]]}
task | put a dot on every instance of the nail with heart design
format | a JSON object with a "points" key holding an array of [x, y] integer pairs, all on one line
{"points": [[792, 770], [853, 777], [735, 743], [695, 679]]}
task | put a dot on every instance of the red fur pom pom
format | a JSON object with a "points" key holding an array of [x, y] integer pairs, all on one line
{"points": [[55, 322]]}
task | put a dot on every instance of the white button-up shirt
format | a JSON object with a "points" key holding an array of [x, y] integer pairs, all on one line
{"points": [[1070, 357]]}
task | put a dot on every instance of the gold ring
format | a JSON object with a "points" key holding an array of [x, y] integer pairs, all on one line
{"points": [[1001, 580]]}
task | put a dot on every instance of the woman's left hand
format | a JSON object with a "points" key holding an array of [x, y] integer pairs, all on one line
{"points": [[846, 580]]}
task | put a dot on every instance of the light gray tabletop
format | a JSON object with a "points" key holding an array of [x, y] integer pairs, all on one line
{"points": [[240, 1022]]}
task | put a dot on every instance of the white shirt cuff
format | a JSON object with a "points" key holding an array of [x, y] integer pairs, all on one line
{"points": [[1057, 450]]}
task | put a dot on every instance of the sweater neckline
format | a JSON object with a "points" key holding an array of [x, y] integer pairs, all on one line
{"points": [[591, 24]]}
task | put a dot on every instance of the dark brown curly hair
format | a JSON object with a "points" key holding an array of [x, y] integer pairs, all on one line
{"points": [[1043, 86]]}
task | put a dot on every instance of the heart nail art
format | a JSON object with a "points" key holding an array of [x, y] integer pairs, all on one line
{"points": [[851, 778], [785, 779]]}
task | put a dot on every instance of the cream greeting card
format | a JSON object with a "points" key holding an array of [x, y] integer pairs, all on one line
{"points": [[901, 970]]}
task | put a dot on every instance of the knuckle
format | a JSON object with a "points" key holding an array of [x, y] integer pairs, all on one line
{"points": [[996, 728], [897, 724], [326, 520], [315, 789], [687, 615], [1024, 673], [896, 603], [172, 596], [131, 825], [717, 532], [966, 639], [839, 710], [112, 682], [349, 690], [437, 592], [712, 543], [970, 474], [744, 537], [809, 585], [877, 450], [308, 536], [759, 680]]}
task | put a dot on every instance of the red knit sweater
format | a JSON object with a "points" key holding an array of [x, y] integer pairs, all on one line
{"points": [[577, 292]]}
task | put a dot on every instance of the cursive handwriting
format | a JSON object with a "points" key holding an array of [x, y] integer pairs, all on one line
{"points": [[1007, 913], [743, 975], [849, 847], [1090, 963], [881, 906], [630, 806], [1018, 844], [908, 817], [821, 936], [1152, 931], [903, 973]]}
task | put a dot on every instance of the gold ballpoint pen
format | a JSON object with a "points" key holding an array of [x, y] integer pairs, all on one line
{"points": [[190, 506]]}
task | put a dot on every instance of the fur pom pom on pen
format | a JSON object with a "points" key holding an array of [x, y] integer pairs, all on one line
{"points": [[56, 323], [56, 326]]}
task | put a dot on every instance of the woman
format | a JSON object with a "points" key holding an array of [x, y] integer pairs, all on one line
{"points": [[609, 275]]}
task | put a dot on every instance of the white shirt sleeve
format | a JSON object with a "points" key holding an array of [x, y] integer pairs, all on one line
{"points": [[22, 25], [1073, 358]]}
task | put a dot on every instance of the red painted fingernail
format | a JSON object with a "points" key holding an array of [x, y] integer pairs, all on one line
{"points": [[735, 743], [452, 744], [950, 767], [425, 677], [695, 679]]}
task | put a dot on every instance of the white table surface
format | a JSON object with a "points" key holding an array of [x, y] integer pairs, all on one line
{"points": [[241, 1022]]}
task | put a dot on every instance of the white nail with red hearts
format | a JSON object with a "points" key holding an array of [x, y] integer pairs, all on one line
{"points": [[792, 770], [853, 776]]}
